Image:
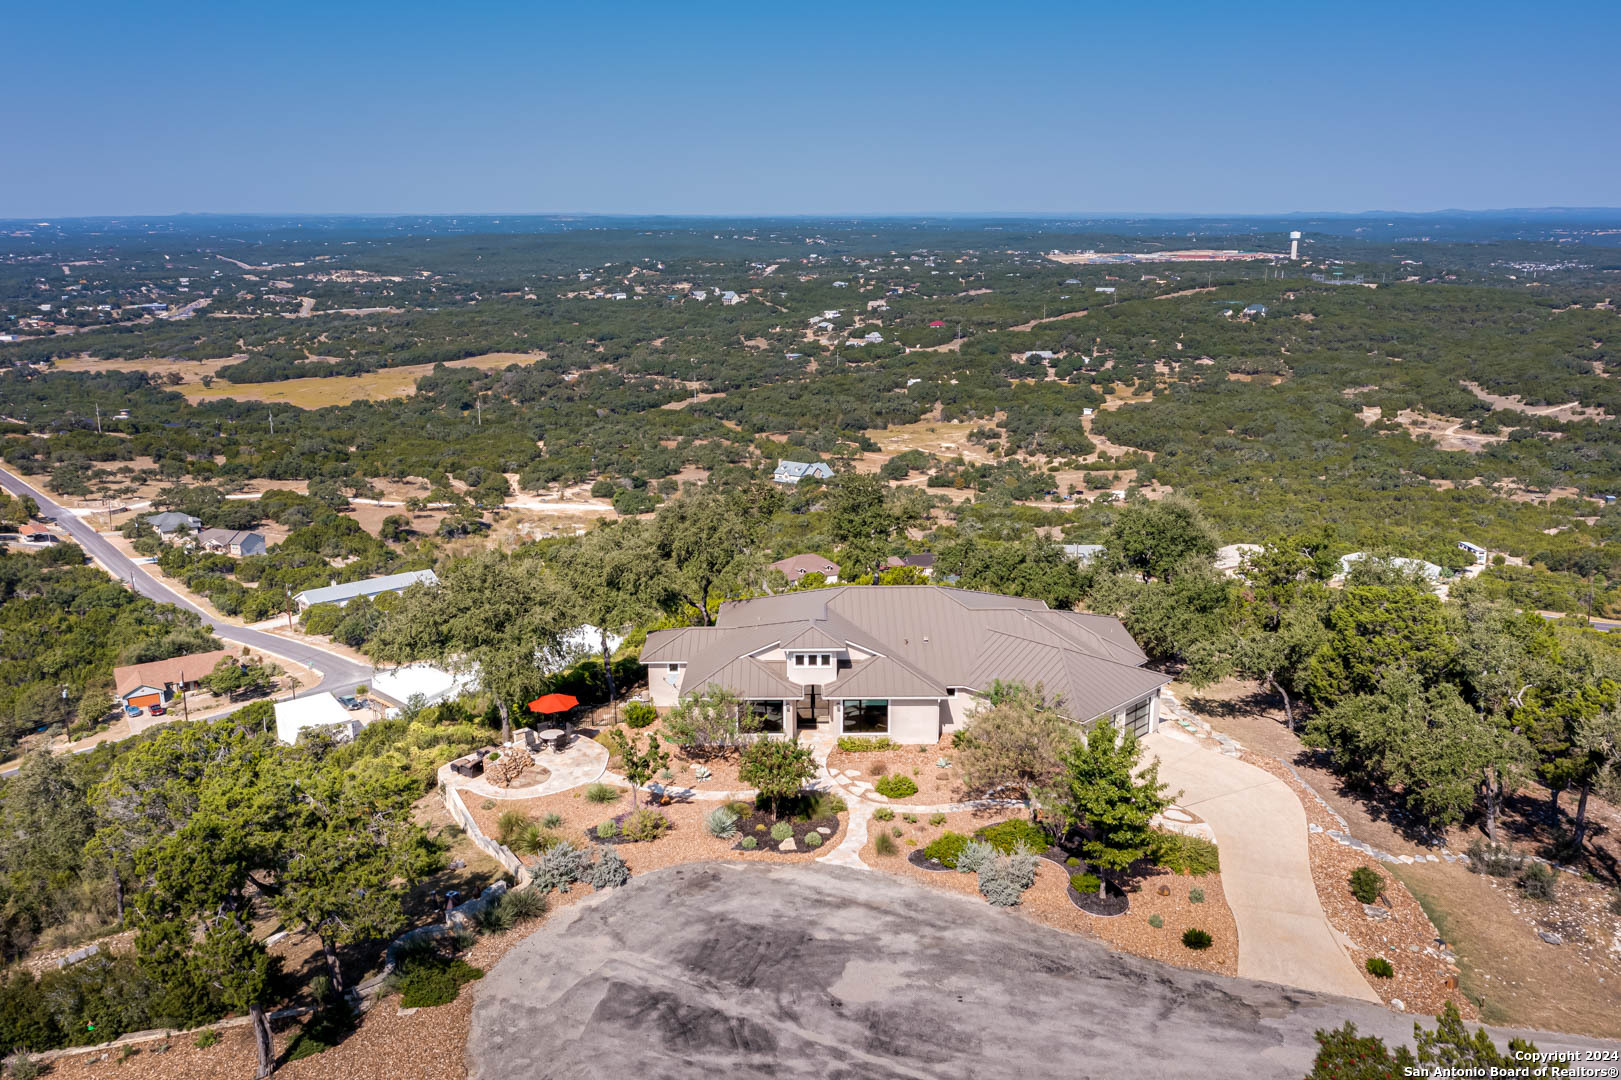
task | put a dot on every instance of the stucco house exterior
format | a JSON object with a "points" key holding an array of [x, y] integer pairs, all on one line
{"points": [[908, 661]]}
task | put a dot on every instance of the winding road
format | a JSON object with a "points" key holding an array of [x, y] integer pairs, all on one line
{"points": [[339, 674]]}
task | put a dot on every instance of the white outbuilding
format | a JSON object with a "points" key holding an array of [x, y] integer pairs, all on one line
{"points": [[299, 715]]}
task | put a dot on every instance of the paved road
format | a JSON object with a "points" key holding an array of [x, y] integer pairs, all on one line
{"points": [[338, 673], [811, 971], [1260, 827]]}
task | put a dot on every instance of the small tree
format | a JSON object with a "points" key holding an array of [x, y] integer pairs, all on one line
{"points": [[638, 765], [778, 768], [1342, 1054], [1103, 790], [1014, 747]]}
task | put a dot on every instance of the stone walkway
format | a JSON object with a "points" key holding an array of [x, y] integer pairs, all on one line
{"points": [[1260, 826]]}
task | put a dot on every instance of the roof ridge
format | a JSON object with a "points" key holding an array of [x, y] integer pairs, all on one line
{"points": [[1060, 648]]}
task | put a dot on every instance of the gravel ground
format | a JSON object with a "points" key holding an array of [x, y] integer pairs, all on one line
{"points": [[1407, 938], [1048, 900], [935, 785]]}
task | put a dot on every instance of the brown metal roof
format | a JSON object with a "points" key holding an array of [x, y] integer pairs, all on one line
{"points": [[162, 673]]}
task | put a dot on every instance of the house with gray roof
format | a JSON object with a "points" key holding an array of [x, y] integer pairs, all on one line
{"points": [[232, 541], [908, 661], [168, 523], [369, 588], [792, 472]]}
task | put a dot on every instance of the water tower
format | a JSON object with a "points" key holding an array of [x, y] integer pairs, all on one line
{"points": [[1294, 244]]}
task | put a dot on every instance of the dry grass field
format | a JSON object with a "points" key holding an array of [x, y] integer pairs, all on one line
{"points": [[322, 391]]}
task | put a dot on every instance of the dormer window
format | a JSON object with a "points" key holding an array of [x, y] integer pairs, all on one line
{"points": [[813, 659]]}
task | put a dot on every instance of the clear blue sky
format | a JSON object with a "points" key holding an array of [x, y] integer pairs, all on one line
{"points": [[817, 108]]}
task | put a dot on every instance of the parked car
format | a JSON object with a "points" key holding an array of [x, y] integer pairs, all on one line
{"points": [[132, 710], [350, 702], [156, 710]]}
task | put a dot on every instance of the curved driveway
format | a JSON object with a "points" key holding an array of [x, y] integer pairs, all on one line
{"points": [[338, 673], [1260, 826]]}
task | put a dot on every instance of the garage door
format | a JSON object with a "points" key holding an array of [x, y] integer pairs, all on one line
{"points": [[1138, 718], [141, 701]]}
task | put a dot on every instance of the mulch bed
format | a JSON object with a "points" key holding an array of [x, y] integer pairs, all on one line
{"points": [[758, 825], [1108, 906], [923, 862]]}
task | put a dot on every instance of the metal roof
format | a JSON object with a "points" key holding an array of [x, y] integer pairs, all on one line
{"points": [[337, 594], [923, 639]]}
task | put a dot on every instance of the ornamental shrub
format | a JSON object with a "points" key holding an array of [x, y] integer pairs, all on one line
{"points": [[1379, 967], [721, 822], [748, 843], [645, 825], [945, 848], [1004, 879], [781, 831], [523, 903], [553, 820], [607, 830], [560, 866], [974, 854], [898, 786], [639, 714], [602, 793], [865, 744], [1195, 939], [937, 819], [509, 824], [1085, 884], [1195, 896], [1494, 859], [884, 844], [883, 813], [1005, 836], [813, 839], [1366, 884], [1185, 854], [610, 871], [1156, 921]]}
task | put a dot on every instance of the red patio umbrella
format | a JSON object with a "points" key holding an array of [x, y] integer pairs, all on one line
{"points": [[551, 703]]}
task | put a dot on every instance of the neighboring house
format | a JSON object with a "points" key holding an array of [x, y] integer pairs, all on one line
{"points": [[1255, 311], [156, 683], [169, 523], [910, 662], [1083, 553], [1411, 566], [232, 541], [923, 562], [36, 534], [797, 566], [312, 712], [792, 472], [371, 587], [1474, 549], [935, 324]]}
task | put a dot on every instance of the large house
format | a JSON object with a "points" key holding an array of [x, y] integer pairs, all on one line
{"points": [[792, 472], [232, 541], [369, 588], [144, 685], [908, 661]]}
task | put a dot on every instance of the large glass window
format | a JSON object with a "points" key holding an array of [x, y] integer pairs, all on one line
{"points": [[1136, 717], [865, 717], [768, 714]]}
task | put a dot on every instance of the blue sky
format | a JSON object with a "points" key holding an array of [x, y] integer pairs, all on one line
{"points": [[823, 108]]}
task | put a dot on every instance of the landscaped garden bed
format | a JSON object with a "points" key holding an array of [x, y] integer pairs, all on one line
{"points": [[871, 761], [1048, 900]]}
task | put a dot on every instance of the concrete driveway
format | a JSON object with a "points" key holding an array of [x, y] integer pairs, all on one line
{"points": [[1260, 827], [812, 971]]}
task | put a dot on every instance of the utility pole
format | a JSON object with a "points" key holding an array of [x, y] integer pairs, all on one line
{"points": [[185, 706]]}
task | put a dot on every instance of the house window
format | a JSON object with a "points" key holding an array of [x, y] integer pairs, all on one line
{"points": [[768, 714], [813, 660], [866, 717]]}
